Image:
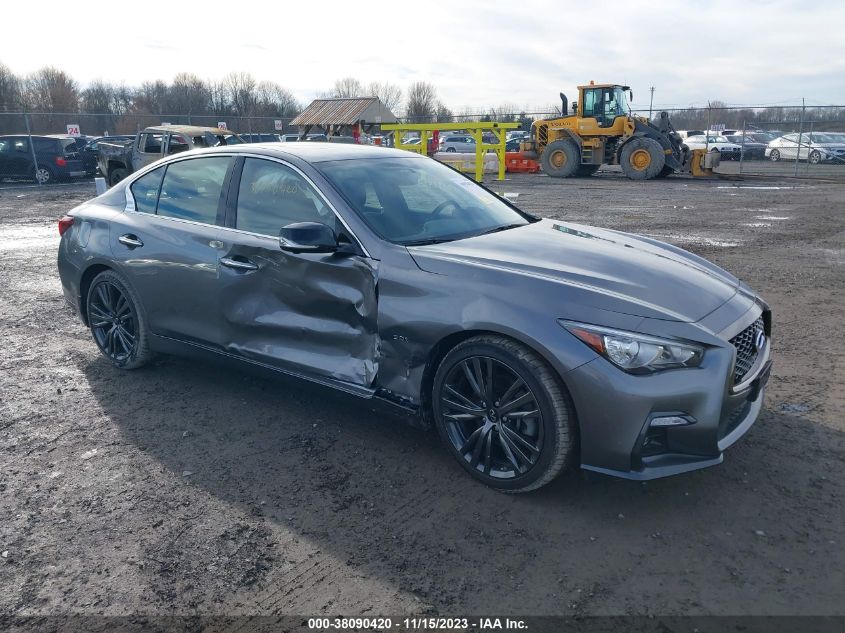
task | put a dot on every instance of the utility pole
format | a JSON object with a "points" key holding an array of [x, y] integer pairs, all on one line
{"points": [[651, 102]]}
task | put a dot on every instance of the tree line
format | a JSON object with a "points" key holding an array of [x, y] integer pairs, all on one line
{"points": [[250, 105]]}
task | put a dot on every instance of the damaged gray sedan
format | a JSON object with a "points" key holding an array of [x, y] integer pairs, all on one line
{"points": [[530, 345]]}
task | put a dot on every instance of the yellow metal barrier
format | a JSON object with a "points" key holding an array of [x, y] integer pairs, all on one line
{"points": [[475, 129]]}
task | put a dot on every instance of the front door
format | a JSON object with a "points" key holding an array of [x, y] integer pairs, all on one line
{"points": [[168, 247], [309, 313], [149, 148]]}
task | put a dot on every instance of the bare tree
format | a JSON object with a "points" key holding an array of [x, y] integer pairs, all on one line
{"points": [[218, 99], [10, 89], [51, 90], [189, 94], [443, 114], [422, 102], [152, 97], [389, 94], [271, 99], [346, 88], [240, 88]]}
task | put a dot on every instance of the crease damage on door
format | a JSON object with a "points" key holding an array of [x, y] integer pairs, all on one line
{"points": [[320, 321]]}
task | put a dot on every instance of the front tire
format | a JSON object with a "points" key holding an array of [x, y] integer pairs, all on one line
{"points": [[503, 413], [117, 321], [815, 157], [561, 159], [642, 159]]}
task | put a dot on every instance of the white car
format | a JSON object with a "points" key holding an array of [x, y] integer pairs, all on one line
{"points": [[815, 147], [728, 150]]}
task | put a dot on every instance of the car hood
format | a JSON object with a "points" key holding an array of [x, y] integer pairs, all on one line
{"points": [[620, 272]]}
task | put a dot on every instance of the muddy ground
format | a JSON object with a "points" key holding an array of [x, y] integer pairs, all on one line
{"points": [[188, 488]]}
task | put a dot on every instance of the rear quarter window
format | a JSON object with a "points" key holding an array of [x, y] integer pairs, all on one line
{"points": [[145, 191]]}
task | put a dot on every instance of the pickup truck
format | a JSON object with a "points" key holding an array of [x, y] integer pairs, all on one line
{"points": [[117, 160]]}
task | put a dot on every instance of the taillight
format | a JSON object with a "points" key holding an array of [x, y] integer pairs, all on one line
{"points": [[65, 223], [61, 162]]}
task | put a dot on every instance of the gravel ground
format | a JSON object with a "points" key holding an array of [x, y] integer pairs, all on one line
{"points": [[187, 488]]}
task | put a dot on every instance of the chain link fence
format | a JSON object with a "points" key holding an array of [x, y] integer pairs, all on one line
{"points": [[776, 141]]}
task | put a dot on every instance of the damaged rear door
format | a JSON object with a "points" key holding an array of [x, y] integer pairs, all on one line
{"points": [[310, 313]]}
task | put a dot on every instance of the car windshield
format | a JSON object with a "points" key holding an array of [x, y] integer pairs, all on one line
{"points": [[413, 201], [824, 138]]}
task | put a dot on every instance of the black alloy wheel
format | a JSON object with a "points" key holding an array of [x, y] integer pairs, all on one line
{"points": [[116, 323], [503, 414]]}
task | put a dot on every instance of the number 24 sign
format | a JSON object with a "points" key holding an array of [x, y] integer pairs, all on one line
{"points": [[73, 129]]}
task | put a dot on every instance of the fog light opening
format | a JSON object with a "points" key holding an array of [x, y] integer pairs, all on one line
{"points": [[665, 421]]}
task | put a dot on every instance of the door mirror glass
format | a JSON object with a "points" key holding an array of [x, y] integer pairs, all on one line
{"points": [[307, 237]]}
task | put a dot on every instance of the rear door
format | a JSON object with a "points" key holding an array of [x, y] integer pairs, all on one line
{"points": [[148, 149], [168, 246], [309, 313]]}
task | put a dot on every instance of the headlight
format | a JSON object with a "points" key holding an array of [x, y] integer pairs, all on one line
{"points": [[636, 353]]}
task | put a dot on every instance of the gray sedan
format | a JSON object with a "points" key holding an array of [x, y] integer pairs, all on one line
{"points": [[531, 345]]}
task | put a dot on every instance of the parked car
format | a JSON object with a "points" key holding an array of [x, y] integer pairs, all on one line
{"points": [[688, 133], [517, 134], [413, 141], [457, 143], [56, 158], [259, 138], [815, 147], [288, 138], [728, 150], [90, 153], [750, 148], [531, 345], [117, 160], [512, 145], [318, 138]]}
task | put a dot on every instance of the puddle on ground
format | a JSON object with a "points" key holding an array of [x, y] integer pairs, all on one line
{"points": [[757, 225], [24, 237]]}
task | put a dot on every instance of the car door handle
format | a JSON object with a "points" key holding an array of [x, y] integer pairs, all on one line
{"points": [[130, 240], [238, 264]]}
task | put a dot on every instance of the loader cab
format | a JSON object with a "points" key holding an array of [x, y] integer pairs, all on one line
{"points": [[603, 103]]}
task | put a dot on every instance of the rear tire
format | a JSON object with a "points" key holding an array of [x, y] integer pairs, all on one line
{"points": [[815, 157], [42, 175], [116, 175], [117, 321], [561, 159], [451, 149], [503, 413], [642, 158], [774, 156]]}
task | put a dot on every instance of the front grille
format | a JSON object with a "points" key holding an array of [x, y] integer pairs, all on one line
{"points": [[746, 349]]}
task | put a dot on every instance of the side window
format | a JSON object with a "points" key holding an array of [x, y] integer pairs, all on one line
{"points": [[21, 145], [150, 143], [272, 195], [5, 147], [590, 102], [191, 189], [177, 143], [145, 191]]}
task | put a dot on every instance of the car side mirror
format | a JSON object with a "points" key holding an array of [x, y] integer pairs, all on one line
{"points": [[307, 237]]}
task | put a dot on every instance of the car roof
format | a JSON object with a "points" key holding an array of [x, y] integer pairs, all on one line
{"points": [[190, 130], [313, 152]]}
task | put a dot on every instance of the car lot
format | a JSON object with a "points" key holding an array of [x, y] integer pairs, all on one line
{"points": [[187, 488]]}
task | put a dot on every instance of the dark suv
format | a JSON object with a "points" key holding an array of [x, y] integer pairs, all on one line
{"points": [[56, 158]]}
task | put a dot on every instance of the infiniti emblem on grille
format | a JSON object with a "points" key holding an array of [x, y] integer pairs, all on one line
{"points": [[760, 339]]}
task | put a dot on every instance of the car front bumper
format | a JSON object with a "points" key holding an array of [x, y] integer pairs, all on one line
{"points": [[616, 410]]}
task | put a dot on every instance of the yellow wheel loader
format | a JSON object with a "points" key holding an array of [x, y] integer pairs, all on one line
{"points": [[602, 131]]}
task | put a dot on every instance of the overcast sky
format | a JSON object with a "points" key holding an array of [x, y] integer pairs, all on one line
{"points": [[478, 54]]}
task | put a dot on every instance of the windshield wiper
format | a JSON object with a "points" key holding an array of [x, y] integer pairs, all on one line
{"points": [[504, 227], [427, 241]]}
